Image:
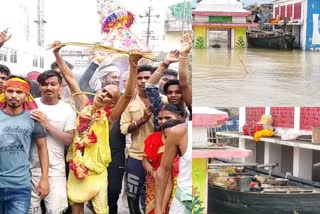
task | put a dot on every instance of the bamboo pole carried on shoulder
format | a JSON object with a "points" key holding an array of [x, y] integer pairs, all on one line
{"points": [[146, 54]]}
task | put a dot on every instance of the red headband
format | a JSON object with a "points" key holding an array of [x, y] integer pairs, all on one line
{"points": [[19, 83]]}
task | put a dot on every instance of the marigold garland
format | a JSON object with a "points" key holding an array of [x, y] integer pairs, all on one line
{"points": [[86, 137]]}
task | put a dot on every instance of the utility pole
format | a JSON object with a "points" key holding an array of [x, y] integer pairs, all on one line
{"points": [[148, 28], [149, 16], [40, 21], [183, 17]]}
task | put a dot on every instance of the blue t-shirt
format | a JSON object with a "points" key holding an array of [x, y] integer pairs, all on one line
{"points": [[16, 133]]}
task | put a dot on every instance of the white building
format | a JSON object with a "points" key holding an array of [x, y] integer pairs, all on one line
{"points": [[22, 53], [178, 20]]}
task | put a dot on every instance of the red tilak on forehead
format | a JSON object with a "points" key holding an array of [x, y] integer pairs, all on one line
{"points": [[162, 108]]}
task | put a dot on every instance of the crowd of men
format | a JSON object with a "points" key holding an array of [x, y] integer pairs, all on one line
{"points": [[63, 141]]}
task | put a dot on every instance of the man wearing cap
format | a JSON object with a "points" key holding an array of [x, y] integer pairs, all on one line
{"points": [[109, 74], [17, 130], [99, 74]]}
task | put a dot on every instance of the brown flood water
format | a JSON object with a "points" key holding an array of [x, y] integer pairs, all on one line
{"points": [[255, 77]]}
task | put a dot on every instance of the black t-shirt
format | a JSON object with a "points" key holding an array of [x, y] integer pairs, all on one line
{"points": [[117, 142]]}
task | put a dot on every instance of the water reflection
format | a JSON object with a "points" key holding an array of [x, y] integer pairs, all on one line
{"points": [[255, 77]]}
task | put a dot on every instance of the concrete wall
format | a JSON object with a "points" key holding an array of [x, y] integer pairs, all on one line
{"points": [[298, 161], [302, 163], [285, 3], [237, 36], [172, 40], [239, 19], [201, 19]]}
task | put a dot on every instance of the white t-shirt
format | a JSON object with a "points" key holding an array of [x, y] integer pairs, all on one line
{"points": [[62, 117], [185, 164]]}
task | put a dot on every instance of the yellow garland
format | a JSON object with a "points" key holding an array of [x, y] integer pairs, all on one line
{"points": [[95, 157]]}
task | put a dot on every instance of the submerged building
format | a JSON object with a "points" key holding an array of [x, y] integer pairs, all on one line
{"points": [[303, 20], [220, 15]]}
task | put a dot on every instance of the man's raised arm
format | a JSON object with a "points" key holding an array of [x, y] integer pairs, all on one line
{"points": [[81, 99], [134, 57], [184, 76], [4, 37]]}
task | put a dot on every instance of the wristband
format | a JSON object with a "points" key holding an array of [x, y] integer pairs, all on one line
{"points": [[164, 65]]}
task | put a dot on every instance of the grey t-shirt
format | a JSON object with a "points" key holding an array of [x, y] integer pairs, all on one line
{"points": [[15, 141]]}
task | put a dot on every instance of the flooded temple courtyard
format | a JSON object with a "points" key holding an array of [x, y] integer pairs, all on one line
{"points": [[255, 77]]}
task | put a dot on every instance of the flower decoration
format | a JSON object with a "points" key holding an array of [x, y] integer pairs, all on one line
{"points": [[79, 170], [84, 122], [92, 137], [77, 166], [84, 136]]}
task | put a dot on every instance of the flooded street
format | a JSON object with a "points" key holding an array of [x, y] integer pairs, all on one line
{"points": [[255, 77]]}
